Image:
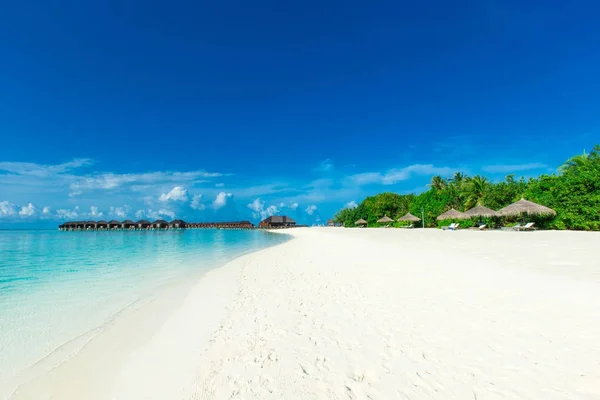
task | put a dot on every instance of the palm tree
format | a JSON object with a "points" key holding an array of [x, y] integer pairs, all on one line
{"points": [[575, 162], [438, 183], [458, 179], [474, 190]]}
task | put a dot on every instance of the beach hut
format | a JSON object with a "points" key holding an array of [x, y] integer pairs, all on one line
{"points": [[361, 222], [522, 207], [160, 224], [452, 214], [385, 220], [114, 224], [409, 218], [128, 224], [481, 211]]}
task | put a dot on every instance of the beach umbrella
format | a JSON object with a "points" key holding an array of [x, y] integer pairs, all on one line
{"points": [[360, 222], [385, 220], [409, 217], [523, 207], [481, 211], [452, 214]]}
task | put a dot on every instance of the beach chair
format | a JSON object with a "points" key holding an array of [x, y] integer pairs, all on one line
{"points": [[453, 227], [481, 227], [517, 227], [528, 227]]}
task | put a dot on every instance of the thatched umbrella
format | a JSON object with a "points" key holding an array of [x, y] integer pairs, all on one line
{"points": [[385, 220], [452, 214], [409, 217], [481, 211], [523, 207], [360, 222]]}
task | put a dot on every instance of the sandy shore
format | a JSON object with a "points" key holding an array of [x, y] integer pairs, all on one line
{"points": [[359, 314]]}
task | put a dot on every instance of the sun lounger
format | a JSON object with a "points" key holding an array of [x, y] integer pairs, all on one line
{"points": [[453, 227], [517, 227], [481, 227], [528, 227]]}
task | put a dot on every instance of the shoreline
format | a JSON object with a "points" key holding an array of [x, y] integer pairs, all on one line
{"points": [[119, 335], [338, 313]]}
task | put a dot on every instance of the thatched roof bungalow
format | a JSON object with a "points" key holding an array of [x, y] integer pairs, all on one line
{"points": [[102, 225], [114, 224], [143, 224], [128, 224], [277, 221], [177, 224], [160, 224], [452, 214]]}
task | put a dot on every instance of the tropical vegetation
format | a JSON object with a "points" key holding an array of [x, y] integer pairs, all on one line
{"points": [[573, 192]]}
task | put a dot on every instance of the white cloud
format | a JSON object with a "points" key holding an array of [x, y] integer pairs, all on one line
{"points": [[42, 170], [196, 203], [219, 184], [94, 213], [395, 175], [68, 214], [176, 194], [221, 200], [7, 209], [154, 215], [507, 168], [310, 210], [119, 212], [259, 211], [27, 211], [46, 210], [351, 204], [293, 206], [324, 166]]}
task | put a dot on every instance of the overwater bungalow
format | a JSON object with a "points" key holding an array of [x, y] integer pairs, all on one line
{"points": [[101, 225], [128, 224], [114, 224], [143, 224], [160, 224], [177, 224], [277, 221]]}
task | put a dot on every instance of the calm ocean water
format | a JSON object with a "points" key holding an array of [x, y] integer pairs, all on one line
{"points": [[56, 286]]}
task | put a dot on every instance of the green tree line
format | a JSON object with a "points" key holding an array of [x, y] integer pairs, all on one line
{"points": [[573, 192]]}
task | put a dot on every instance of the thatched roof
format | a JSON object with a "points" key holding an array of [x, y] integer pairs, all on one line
{"points": [[114, 222], [143, 222], [525, 207], [360, 222], [385, 219], [128, 222], [102, 222], [452, 214], [409, 217], [160, 222], [481, 211]]}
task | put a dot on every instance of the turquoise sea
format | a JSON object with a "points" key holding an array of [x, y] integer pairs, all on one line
{"points": [[58, 286]]}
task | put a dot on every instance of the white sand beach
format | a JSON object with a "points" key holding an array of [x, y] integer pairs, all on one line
{"points": [[364, 314]]}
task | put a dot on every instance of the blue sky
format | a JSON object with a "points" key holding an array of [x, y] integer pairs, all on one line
{"points": [[222, 110]]}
